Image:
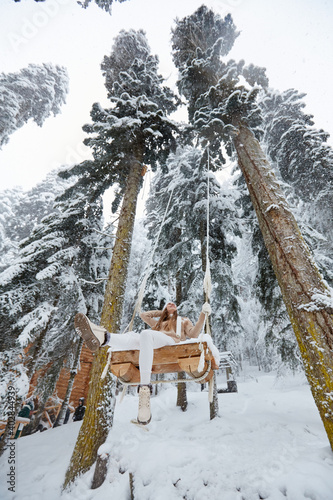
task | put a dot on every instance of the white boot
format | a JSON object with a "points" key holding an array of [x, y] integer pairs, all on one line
{"points": [[144, 415], [93, 335]]}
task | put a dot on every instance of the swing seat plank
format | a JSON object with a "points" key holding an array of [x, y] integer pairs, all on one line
{"points": [[126, 372], [168, 359]]}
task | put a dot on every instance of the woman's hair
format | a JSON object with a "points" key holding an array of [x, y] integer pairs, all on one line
{"points": [[171, 321]]}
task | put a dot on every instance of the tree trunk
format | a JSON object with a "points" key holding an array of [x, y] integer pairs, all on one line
{"points": [[98, 417], [214, 405], [73, 372], [181, 392], [181, 387], [304, 292]]}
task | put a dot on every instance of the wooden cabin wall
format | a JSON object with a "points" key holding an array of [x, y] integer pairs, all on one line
{"points": [[81, 381]]}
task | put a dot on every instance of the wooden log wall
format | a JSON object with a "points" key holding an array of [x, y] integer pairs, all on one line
{"points": [[81, 381]]}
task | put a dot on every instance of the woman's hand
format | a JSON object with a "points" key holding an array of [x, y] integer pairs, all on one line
{"points": [[206, 309]]}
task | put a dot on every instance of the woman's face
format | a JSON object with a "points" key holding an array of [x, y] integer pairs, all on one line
{"points": [[171, 307]]}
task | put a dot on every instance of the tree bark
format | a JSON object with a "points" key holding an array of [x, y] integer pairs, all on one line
{"points": [[98, 417], [181, 392], [303, 289], [181, 387], [214, 405]]}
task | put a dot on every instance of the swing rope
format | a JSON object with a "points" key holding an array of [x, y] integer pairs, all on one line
{"points": [[207, 283], [207, 279]]}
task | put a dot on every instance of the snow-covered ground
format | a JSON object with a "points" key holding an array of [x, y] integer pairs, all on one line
{"points": [[268, 442]]}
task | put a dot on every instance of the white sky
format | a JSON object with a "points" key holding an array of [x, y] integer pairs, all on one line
{"points": [[293, 39]]}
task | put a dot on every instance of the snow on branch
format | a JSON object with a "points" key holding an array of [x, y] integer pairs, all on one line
{"points": [[33, 321], [319, 301], [9, 274], [48, 272], [34, 92], [97, 282]]}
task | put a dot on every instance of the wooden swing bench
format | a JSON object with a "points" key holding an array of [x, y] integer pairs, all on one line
{"points": [[169, 359]]}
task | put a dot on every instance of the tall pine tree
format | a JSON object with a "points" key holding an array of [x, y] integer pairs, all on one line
{"points": [[52, 275], [223, 108], [33, 93], [135, 131]]}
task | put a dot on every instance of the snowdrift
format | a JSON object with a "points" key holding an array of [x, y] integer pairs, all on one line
{"points": [[268, 443]]}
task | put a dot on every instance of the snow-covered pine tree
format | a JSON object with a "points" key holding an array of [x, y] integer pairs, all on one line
{"points": [[223, 108], [135, 131], [54, 274], [303, 160], [8, 247], [33, 93], [299, 150], [103, 4], [21, 211]]}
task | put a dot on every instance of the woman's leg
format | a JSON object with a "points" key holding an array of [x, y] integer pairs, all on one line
{"points": [[123, 341], [146, 342], [150, 340]]}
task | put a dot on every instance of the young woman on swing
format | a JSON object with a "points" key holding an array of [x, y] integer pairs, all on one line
{"points": [[167, 329]]}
